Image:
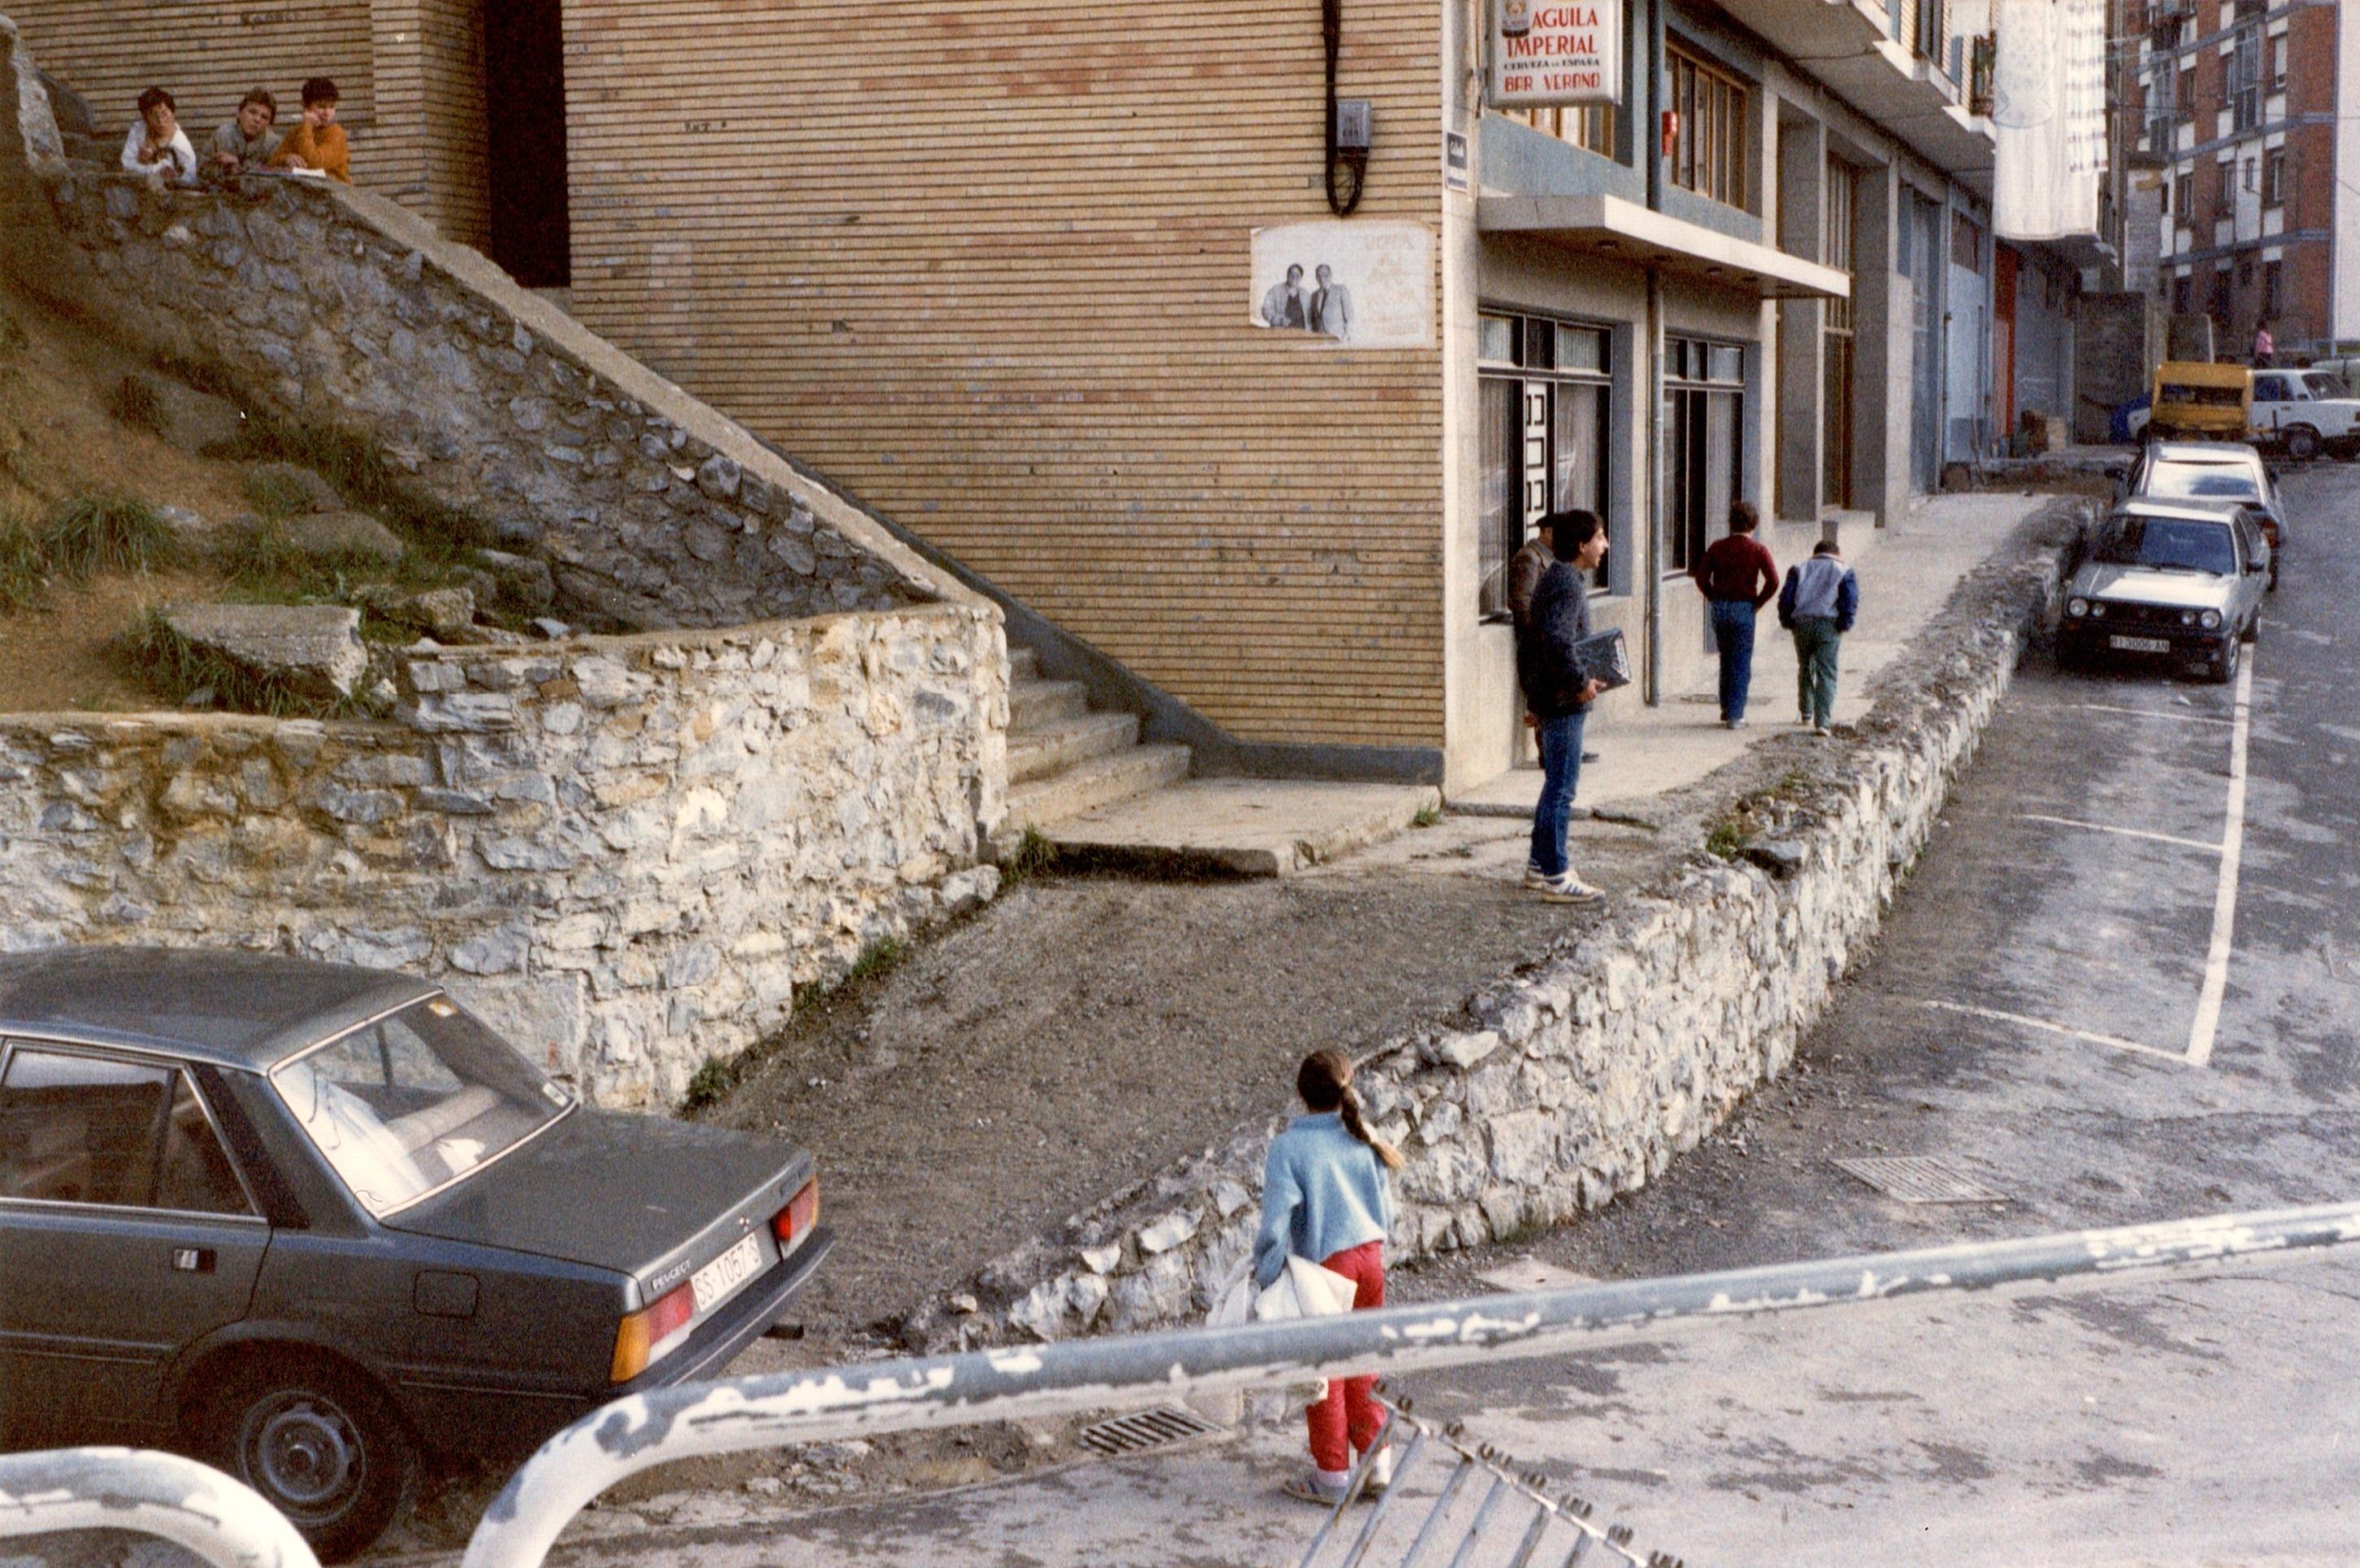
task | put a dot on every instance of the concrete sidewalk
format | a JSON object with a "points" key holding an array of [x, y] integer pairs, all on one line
{"points": [[1907, 575]]}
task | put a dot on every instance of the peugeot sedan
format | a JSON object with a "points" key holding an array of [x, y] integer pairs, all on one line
{"points": [[312, 1222]]}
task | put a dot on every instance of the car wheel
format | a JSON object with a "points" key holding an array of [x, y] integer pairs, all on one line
{"points": [[2273, 583], [2225, 663], [2301, 442], [2253, 632], [320, 1445]]}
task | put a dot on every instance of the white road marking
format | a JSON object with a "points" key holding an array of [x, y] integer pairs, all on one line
{"points": [[2126, 832], [2148, 713], [1995, 1016], [2225, 902]]}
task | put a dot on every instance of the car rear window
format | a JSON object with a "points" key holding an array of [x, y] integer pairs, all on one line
{"points": [[2201, 481], [2170, 543], [407, 1105]]}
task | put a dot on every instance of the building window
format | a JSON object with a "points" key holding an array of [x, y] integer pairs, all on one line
{"points": [[1547, 413], [1708, 151], [2273, 290], [2274, 165], [1587, 127], [2183, 294], [2246, 79], [2218, 306], [1704, 417], [2278, 63], [2187, 97], [1842, 250], [1966, 243], [2183, 195]]}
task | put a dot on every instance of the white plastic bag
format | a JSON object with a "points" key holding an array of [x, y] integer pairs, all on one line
{"points": [[1233, 1298], [1304, 1290]]}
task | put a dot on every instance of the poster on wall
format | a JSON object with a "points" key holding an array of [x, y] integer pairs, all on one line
{"points": [[1363, 283], [1544, 53]]}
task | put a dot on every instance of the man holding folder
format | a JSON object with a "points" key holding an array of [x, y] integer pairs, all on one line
{"points": [[1554, 654]]}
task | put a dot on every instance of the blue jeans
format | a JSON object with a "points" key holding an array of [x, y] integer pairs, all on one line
{"points": [[1560, 775], [1733, 634]]}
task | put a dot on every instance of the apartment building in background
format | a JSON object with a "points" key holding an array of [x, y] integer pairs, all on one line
{"points": [[1236, 361], [2250, 116]]}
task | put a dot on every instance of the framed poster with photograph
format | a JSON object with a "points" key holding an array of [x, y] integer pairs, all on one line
{"points": [[1363, 283]]}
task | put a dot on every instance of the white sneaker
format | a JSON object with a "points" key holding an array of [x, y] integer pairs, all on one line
{"points": [[1381, 1470], [1569, 889], [1534, 876]]}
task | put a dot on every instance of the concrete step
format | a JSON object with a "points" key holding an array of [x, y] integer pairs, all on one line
{"points": [[1023, 664], [1052, 747], [1099, 781], [1240, 827], [1033, 704]]}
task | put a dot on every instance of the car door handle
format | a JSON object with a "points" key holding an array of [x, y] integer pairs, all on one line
{"points": [[193, 1259]]}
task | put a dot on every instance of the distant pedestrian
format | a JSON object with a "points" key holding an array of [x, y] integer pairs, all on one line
{"points": [[1819, 605], [1737, 577], [1557, 694], [1527, 566], [2265, 347], [1326, 1195]]}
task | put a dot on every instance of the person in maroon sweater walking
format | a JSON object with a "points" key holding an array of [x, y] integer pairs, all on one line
{"points": [[1738, 578]]}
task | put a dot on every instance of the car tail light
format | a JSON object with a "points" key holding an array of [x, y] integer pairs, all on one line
{"points": [[642, 1337], [794, 1223]]}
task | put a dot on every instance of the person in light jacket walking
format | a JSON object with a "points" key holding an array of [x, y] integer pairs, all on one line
{"points": [[1326, 1195], [1819, 605]]}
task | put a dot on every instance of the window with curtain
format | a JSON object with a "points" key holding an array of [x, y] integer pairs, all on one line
{"points": [[1708, 151]]}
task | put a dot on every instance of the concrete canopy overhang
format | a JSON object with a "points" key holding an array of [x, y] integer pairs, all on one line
{"points": [[1846, 47], [1623, 231]]}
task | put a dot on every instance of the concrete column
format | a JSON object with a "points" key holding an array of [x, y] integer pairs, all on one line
{"points": [[1801, 362], [1881, 305]]}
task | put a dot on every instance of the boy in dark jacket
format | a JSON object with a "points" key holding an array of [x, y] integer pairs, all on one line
{"points": [[1558, 694], [1819, 605], [1737, 577]]}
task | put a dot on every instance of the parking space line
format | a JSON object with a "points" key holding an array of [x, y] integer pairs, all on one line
{"points": [[1995, 1016], [2125, 832], [2225, 902], [2148, 713]]}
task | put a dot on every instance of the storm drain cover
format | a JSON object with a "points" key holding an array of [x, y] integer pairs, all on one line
{"points": [[1158, 1428], [1920, 1178]]}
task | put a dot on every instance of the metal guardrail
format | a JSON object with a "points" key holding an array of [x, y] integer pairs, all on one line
{"points": [[744, 1414], [147, 1493]]}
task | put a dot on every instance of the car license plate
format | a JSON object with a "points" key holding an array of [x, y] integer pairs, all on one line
{"points": [[727, 1272], [2140, 644]]}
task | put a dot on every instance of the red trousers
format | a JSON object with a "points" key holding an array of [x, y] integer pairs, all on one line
{"points": [[1347, 1412]]}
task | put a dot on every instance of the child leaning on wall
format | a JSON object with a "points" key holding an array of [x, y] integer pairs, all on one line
{"points": [[156, 146], [317, 142]]}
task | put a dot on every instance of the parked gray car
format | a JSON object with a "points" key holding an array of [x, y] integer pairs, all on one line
{"points": [[2170, 580], [310, 1222], [2227, 473]]}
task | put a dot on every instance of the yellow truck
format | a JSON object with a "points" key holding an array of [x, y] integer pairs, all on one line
{"points": [[2196, 401]]}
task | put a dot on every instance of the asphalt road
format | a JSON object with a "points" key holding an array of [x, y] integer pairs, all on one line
{"points": [[2119, 986]]}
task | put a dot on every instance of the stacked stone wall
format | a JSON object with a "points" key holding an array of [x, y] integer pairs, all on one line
{"points": [[1585, 1076], [628, 852]]}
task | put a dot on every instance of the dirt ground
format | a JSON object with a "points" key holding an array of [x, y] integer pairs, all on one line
{"points": [[57, 441]]}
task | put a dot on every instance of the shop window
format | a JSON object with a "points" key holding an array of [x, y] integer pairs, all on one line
{"points": [[1546, 401], [1710, 148], [1590, 126], [1704, 418]]}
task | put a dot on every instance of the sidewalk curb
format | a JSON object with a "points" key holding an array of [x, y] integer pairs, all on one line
{"points": [[1583, 1074]]}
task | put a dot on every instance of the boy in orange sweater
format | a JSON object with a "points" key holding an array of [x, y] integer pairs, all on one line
{"points": [[317, 142]]}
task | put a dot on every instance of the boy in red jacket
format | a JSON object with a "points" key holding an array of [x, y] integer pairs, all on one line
{"points": [[1738, 577]]}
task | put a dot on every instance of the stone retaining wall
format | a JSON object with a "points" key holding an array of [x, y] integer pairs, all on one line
{"points": [[1584, 1075], [627, 851]]}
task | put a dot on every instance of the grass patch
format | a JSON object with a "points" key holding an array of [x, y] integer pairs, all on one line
{"points": [[712, 1082], [1427, 817], [24, 565], [133, 402], [275, 494], [879, 958], [178, 671], [107, 533], [1033, 856], [1727, 840]]}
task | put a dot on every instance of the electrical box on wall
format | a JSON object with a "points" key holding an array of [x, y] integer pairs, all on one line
{"points": [[1352, 121]]}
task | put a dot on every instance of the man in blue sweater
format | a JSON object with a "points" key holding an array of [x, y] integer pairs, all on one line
{"points": [[1819, 605]]}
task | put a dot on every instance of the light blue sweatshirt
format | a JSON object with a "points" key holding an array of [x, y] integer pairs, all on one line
{"points": [[1323, 1192]]}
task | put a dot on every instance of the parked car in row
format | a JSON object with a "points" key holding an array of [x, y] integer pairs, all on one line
{"points": [[2229, 474], [2178, 581], [2301, 413], [310, 1222]]}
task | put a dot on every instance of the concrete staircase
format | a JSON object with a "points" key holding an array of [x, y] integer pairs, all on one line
{"points": [[1065, 758]]}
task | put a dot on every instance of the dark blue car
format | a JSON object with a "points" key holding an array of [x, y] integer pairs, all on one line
{"points": [[312, 1222]]}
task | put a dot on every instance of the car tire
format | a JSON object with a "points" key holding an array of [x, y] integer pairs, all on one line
{"points": [[2301, 442], [321, 1444], [2253, 632], [2272, 585], [2225, 663]]}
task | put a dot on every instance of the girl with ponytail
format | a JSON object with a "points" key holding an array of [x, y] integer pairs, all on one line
{"points": [[1325, 1196]]}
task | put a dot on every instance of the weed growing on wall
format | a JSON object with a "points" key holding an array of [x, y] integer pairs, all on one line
{"points": [[107, 533], [24, 565], [361, 474], [189, 676]]}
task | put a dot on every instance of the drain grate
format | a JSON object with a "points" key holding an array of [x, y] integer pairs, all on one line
{"points": [[1158, 1428], [1920, 1178]]}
